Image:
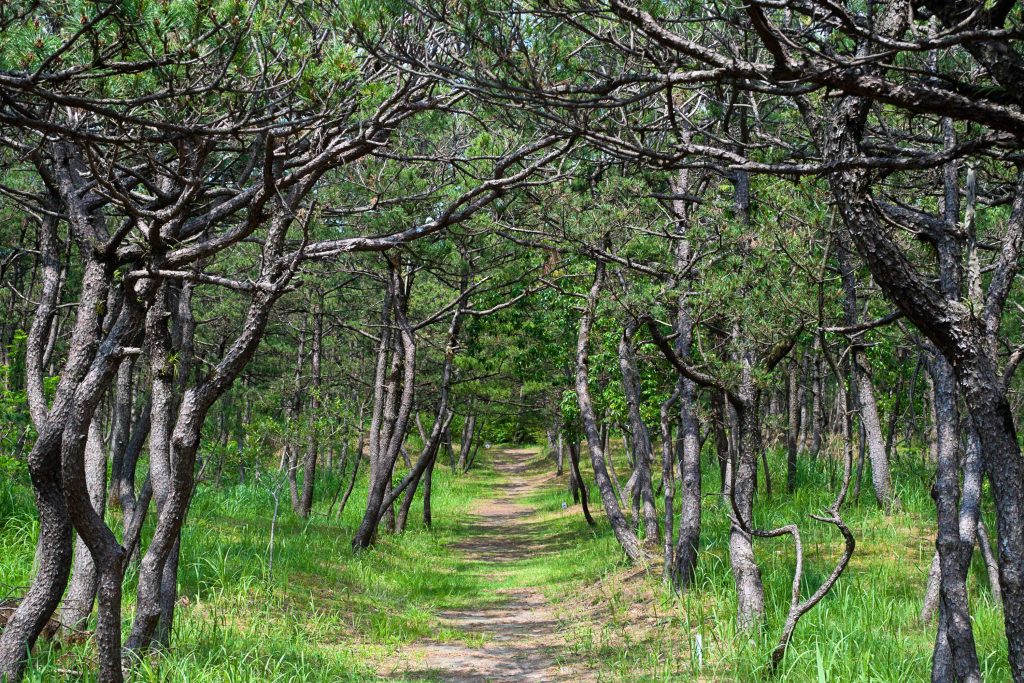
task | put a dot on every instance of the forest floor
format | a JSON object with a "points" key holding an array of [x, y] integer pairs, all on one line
{"points": [[511, 584], [519, 637]]}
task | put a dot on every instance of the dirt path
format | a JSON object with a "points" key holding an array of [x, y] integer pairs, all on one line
{"points": [[522, 637]]}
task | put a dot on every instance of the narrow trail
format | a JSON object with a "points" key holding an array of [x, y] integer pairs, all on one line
{"points": [[522, 639]]}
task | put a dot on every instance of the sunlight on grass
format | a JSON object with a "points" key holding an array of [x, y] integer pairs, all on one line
{"points": [[328, 614]]}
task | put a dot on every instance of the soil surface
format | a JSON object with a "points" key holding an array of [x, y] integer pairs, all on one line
{"points": [[521, 634]]}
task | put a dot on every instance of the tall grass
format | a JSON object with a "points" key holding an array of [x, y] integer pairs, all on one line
{"points": [[866, 629], [325, 614], [329, 614]]}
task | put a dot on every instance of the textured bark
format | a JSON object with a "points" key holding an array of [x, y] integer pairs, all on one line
{"points": [[81, 593], [955, 635], [957, 516], [158, 568], [120, 432], [816, 401], [966, 340], [428, 487], [871, 426], [397, 409], [991, 564], [126, 483], [53, 547], [643, 453], [424, 467], [107, 553], [687, 545], [690, 494], [623, 533], [668, 485], [793, 435], [746, 573]]}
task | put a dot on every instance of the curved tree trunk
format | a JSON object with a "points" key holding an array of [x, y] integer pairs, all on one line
{"points": [[623, 533], [81, 593], [643, 454], [53, 547], [396, 411], [963, 338]]}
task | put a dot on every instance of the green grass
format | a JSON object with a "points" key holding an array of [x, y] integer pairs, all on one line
{"points": [[865, 629], [328, 614]]}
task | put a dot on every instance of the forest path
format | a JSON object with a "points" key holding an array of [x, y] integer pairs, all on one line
{"points": [[521, 637]]}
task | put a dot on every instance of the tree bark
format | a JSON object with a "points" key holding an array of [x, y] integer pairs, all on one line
{"points": [[623, 533], [871, 426], [668, 485], [746, 573], [580, 494], [955, 634], [643, 454], [966, 340], [312, 446], [793, 435], [53, 547], [397, 410], [81, 593], [120, 432]]}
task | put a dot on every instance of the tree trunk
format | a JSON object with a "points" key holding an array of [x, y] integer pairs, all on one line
{"points": [[816, 401], [312, 446], [294, 414], [871, 426], [626, 537], [643, 454], [668, 485], [397, 409], [428, 485], [793, 436], [355, 475], [746, 573], [580, 493], [965, 340], [158, 569], [688, 543], [466, 442], [120, 432], [126, 486], [955, 636], [53, 547], [81, 593]]}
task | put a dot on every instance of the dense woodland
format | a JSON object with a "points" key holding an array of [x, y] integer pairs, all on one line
{"points": [[747, 272]]}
